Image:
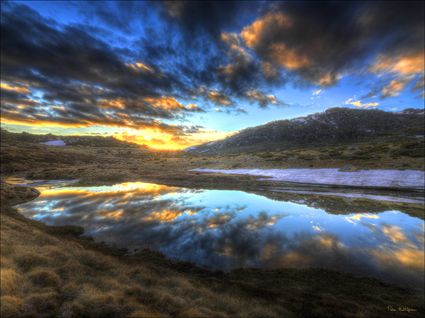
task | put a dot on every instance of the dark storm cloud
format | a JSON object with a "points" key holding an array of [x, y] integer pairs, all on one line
{"points": [[201, 26], [79, 72], [233, 51], [321, 40], [208, 17]]}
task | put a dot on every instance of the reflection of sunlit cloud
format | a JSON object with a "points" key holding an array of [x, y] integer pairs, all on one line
{"points": [[317, 228], [219, 220], [191, 212], [164, 215], [262, 220], [268, 250], [395, 233], [190, 225], [357, 217], [295, 259], [408, 257], [227, 251], [118, 214], [328, 241], [406, 254], [134, 188]]}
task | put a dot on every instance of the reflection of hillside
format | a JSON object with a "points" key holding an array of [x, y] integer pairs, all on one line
{"points": [[344, 204], [221, 235], [398, 263]]}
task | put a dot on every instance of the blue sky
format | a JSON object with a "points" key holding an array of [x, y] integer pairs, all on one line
{"points": [[174, 74]]}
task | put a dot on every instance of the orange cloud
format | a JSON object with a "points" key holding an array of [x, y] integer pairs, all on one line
{"points": [[140, 67], [328, 79], [404, 65], [394, 88], [252, 34], [234, 43], [219, 98], [18, 120], [16, 89], [262, 98], [269, 70], [358, 103], [112, 103], [170, 103], [164, 102], [152, 135], [288, 58]]}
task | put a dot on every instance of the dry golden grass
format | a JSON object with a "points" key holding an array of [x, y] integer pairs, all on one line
{"points": [[46, 276], [48, 272]]}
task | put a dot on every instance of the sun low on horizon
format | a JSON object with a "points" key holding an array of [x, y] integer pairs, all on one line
{"points": [[170, 75]]}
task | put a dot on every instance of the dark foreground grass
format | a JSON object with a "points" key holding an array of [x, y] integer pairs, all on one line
{"points": [[52, 272]]}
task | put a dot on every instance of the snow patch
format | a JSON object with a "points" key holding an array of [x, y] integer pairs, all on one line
{"points": [[332, 176], [55, 143]]}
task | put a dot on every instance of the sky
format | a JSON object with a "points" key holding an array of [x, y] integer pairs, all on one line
{"points": [[172, 74]]}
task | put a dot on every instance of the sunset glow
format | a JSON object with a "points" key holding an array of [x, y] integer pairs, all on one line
{"points": [[112, 73]]}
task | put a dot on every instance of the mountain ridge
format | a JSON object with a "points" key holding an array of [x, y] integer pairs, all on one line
{"points": [[333, 126]]}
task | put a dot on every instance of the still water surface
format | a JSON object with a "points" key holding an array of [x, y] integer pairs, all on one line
{"points": [[226, 229]]}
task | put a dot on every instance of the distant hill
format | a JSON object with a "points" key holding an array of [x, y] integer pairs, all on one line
{"points": [[334, 126], [49, 139]]}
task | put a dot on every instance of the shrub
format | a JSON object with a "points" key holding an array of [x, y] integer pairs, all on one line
{"points": [[11, 282], [10, 306], [95, 261], [41, 304], [44, 278], [28, 261], [92, 302]]}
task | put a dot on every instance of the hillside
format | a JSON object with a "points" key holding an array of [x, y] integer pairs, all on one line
{"points": [[334, 126], [90, 141]]}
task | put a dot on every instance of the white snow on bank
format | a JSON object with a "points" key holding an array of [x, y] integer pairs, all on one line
{"points": [[358, 195], [56, 143], [332, 176]]}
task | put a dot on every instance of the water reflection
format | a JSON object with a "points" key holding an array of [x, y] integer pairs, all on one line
{"points": [[225, 229]]}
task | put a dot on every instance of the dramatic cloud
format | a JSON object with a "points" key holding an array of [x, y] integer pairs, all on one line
{"points": [[156, 66], [208, 17], [400, 70], [393, 88], [404, 65], [321, 41], [262, 99], [64, 76], [358, 103]]}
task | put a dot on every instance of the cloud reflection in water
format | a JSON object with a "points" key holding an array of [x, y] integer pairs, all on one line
{"points": [[225, 229]]}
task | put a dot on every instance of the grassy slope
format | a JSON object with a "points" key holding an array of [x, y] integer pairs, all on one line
{"points": [[51, 272]]}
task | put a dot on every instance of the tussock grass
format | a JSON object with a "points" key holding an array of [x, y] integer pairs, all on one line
{"points": [[71, 278], [65, 279], [11, 306]]}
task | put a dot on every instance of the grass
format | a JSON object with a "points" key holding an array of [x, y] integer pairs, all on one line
{"points": [[53, 272], [117, 163], [48, 273]]}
